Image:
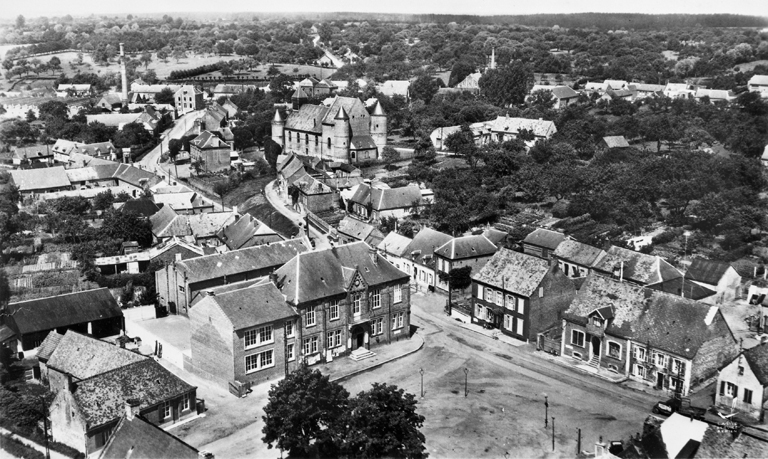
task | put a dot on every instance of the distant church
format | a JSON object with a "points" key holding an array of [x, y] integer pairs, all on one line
{"points": [[343, 131]]}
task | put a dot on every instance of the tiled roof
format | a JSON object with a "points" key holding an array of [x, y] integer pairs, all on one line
{"points": [[40, 179], [395, 198], [496, 236], [579, 253], [308, 118], [162, 220], [320, 274], [513, 272], [395, 244], [139, 438], [63, 310], [84, 357], [467, 247], [153, 88], [660, 320], [179, 201], [540, 128], [723, 443], [707, 271], [135, 176], [283, 225], [239, 261], [424, 243], [635, 266], [78, 160], [616, 141], [541, 237], [102, 398], [648, 87], [356, 229], [247, 231], [362, 142], [758, 362], [208, 224], [50, 342], [247, 307], [111, 99], [208, 139]]}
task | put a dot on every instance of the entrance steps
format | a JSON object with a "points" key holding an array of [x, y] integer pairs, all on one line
{"points": [[594, 362], [361, 354]]}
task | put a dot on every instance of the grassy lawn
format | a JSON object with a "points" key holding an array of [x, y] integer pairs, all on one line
{"points": [[750, 65]]}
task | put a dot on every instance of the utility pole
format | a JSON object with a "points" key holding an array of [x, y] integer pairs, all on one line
{"points": [[578, 443], [45, 426], [553, 433]]}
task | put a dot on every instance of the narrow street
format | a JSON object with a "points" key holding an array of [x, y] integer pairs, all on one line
{"points": [[151, 160], [278, 202]]}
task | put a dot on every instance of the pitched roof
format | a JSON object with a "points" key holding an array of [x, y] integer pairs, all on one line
{"points": [[758, 362], [616, 141], [395, 198], [140, 438], [541, 237], [320, 274], [161, 223], [113, 119], [283, 225], [496, 236], [84, 357], [247, 307], [355, 228], [579, 253], [49, 345], [513, 272], [683, 287], [560, 92], [307, 118], [467, 247], [208, 139], [362, 142], [102, 398], [239, 261], [136, 176], [648, 87], [40, 179], [63, 310], [707, 271], [635, 266], [395, 244], [143, 206], [660, 320], [723, 443], [425, 242], [759, 80], [540, 128], [111, 98], [208, 224], [247, 231]]}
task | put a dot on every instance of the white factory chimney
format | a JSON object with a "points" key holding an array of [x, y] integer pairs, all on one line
{"points": [[124, 75]]}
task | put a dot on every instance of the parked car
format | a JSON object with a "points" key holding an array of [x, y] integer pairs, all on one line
{"points": [[679, 405]]}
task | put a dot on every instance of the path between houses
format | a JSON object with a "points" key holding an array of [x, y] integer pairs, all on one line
{"points": [[32, 444]]}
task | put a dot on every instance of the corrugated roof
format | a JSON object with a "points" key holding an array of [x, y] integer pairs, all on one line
{"points": [[513, 272], [84, 357], [707, 271], [102, 398], [140, 438], [578, 253], [247, 307], [239, 261], [63, 310], [40, 179], [541, 237], [467, 247]]}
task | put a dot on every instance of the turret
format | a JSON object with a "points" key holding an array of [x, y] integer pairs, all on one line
{"points": [[379, 127], [299, 98], [278, 129], [341, 136]]}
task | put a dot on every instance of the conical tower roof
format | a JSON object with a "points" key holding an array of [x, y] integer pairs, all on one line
{"points": [[278, 117], [378, 110], [342, 115]]}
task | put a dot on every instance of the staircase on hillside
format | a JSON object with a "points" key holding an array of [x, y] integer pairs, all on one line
{"points": [[361, 354]]}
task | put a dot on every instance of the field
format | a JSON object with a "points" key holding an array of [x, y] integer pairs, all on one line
{"points": [[749, 66]]}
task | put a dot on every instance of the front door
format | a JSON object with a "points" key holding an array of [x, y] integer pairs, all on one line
{"points": [[659, 380], [359, 340], [595, 346]]}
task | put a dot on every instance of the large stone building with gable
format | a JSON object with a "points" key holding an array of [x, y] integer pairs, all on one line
{"points": [[343, 131]]}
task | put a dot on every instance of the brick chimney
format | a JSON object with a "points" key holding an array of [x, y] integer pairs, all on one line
{"points": [[132, 407], [374, 255]]}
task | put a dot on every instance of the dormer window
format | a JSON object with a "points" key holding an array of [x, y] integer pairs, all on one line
{"points": [[596, 321]]}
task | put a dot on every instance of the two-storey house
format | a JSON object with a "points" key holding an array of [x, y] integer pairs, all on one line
{"points": [[716, 275], [636, 267], [663, 340], [742, 385], [520, 294], [542, 242], [576, 259], [473, 251], [349, 299]]}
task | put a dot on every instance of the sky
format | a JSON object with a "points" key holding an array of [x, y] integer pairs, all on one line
{"points": [[36, 8]]}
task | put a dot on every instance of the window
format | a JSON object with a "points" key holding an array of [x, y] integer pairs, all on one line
{"points": [[376, 299], [489, 295], [479, 291], [510, 302], [741, 371], [519, 326], [290, 136], [329, 143], [333, 339], [185, 402], [316, 140], [660, 360], [291, 354], [309, 317], [640, 354], [499, 298], [306, 138], [430, 279], [334, 310], [479, 311], [596, 321], [181, 288], [357, 301], [731, 390], [397, 320], [258, 336], [310, 345], [576, 355], [614, 350], [378, 326], [541, 292], [747, 396], [678, 367], [260, 361], [398, 293], [507, 322], [577, 338], [520, 305], [639, 370], [167, 409], [490, 316], [289, 330]]}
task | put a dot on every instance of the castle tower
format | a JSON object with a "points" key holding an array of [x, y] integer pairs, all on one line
{"points": [[278, 129], [379, 127], [124, 77], [341, 137]]}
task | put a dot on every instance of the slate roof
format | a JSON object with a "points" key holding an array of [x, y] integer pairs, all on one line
{"points": [[239, 261], [578, 253], [660, 320], [320, 274], [247, 231], [40, 179], [758, 361], [308, 118], [162, 220], [395, 198], [707, 271], [247, 307], [84, 357], [208, 139], [513, 272], [283, 225], [466, 247], [135, 176], [49, 345], [80, 160], [362, 142], [360, 231], [139, 438], [63, 310], [690, 290], [637, 267], [723, 443], [496, 236], [142, 206], [424, 244], [102, 398], [540, 128], [395, 244], [616, 141], [207, 224], [560, 92], [541, 237]]}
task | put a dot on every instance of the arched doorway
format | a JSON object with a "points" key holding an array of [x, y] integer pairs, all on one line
{"points": [[359, 336]]}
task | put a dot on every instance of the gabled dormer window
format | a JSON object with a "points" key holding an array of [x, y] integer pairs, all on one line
{"points": [[597, 321]]}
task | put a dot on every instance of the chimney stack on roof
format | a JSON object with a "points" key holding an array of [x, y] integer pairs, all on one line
{"points": [[132, 407]]}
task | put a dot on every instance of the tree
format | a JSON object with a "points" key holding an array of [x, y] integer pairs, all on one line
{"points": [[53, 109], [390, 155], [18, 132], [20, 22], [198, 165], [30, 116], [272, 150], [424, 88], [54, 64], [103, 200], [508, 85], [461, 69], [179, 54], [281, 84], [162, 54], [226, 70], [383, 422], [174, 148], [165, 96], [145, 59], [132, 134], [305, 413], [462, 142], [127, 226], [221, 188]]}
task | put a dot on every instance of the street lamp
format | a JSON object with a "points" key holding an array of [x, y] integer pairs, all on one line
{"points": [[546, 410], [421, 371], [466, 374]]}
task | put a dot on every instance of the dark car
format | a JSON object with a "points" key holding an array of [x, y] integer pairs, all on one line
{"points": [[678, 405]]}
